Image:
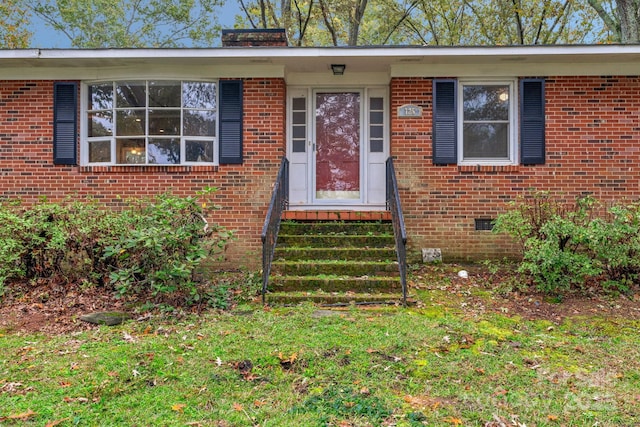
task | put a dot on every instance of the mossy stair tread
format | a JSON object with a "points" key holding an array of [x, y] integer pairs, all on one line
{"points": [[329, 267], [333, 297], [337, 227], [336, 253], [335, 240], [336, 283], [335, 262]]}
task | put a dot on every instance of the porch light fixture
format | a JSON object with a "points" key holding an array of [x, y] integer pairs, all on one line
{"points": [[338, 69]]}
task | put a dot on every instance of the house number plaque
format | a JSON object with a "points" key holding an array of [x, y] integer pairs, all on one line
{"points": [[409, 110]]}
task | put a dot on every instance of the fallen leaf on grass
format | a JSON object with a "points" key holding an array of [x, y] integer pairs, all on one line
{"points": [[178, 407], [259, 403], [245, 367], [454, 421], [11, 387], [56, 422], [128, 338], [423, 402], [68, 399], [20, 416], [238, 407], [286, 362]]}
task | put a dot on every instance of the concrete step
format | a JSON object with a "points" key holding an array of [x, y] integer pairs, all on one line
{"points": [[314, 267], [333, 298], [335, 241], [335, 261], [365, 284], [355, 254]]}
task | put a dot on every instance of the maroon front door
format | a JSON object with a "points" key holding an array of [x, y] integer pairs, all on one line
{"points": [[337, 156]]}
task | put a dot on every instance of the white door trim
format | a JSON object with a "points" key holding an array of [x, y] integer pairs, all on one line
{"points": [[302, 164]]}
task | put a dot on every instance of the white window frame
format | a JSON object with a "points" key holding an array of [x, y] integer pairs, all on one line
{"points": [[84, 125], [512, 158]]}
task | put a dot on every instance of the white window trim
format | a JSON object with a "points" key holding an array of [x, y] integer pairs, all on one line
{"points": [[513, 123], [84, 131]]}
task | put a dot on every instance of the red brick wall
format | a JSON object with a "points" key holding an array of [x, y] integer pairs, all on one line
{"points": [[592, 134], [27, 170], [592, 146]]}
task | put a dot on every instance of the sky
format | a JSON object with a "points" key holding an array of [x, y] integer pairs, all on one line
{"points": [[46, 38]]}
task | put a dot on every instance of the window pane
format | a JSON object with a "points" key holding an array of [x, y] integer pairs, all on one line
{"points": [[199, 95], [376, 103], [299, 104], [199, 123], [99, 151], [164, 151], [299, 146], [131, 94], [130, 122], [130, 151], [100, 124], [299, 117], [198, 151], [376, 131], [376, 117], [486, 140], [376, 146], [164, 94], [101, 96], [164, 122], [299, 131], [486, 102]]}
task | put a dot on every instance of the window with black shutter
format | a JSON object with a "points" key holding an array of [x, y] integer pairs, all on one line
{"points": [[476, 122]]}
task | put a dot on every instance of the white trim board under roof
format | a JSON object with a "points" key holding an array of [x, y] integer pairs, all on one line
{"points": [[395, 61]]}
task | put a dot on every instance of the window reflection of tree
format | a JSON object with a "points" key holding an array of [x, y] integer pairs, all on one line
{"points": [[338, 141], [199, 151], [173, 108], [486, 102], [164, 151], [486, 121], [199, 101]]}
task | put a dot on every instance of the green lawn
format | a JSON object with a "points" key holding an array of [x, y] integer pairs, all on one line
{"points": [[430, 365]]}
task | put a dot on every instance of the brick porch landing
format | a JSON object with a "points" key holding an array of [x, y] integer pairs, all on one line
{"points": [[334, 215]]}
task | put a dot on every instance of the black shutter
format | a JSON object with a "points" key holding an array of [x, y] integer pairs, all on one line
{"points": [[532, 145], [445, 145], [65, 123], [230, 116]]}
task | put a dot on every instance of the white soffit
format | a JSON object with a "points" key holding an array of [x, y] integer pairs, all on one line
{"points": [[422, 61]]}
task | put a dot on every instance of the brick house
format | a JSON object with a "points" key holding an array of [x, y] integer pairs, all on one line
{"points": [[470, 128]]}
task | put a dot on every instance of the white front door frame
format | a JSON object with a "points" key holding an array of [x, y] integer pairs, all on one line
{"points": [[374, 148]]}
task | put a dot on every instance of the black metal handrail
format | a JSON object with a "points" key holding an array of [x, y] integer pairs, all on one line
{"points": [[279, 202], [399, 230]]}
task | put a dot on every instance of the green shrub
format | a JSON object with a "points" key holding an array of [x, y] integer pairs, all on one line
{"points": [[566, 246], [168, 240], [151, 246]]}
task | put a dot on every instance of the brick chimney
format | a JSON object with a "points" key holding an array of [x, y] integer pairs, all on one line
{"points": [[260, 37]]}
